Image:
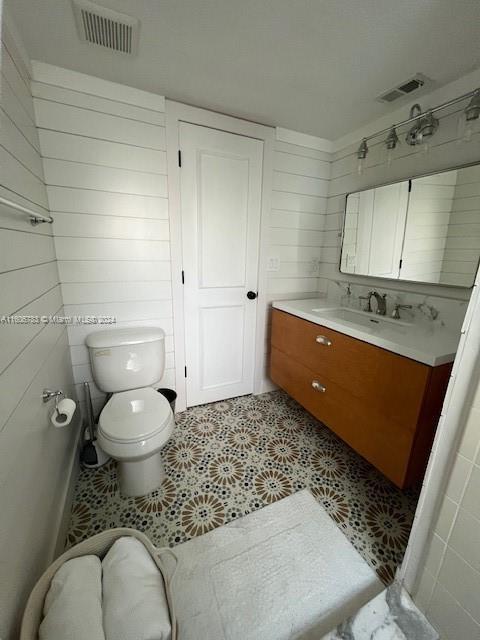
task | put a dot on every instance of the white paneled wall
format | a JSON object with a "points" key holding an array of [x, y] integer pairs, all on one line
{"points": [[300, 189], [103, 148], [36, 460], [463, 236], [429, 207], [299, 200]]}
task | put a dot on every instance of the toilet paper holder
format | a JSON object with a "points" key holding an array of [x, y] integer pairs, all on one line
{"points": [[48, 394]]}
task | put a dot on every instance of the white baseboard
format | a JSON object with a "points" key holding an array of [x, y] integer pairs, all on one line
{"points": [[266, 386]]}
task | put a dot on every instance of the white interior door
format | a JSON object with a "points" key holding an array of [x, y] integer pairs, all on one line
{"points": [[221, 181], [382, 216], [388, 229]]}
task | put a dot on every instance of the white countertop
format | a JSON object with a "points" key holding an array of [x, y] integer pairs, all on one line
{"points": [[425, 342]]}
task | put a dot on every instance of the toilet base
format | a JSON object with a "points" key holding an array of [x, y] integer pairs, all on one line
{"points": [[141, 477]]}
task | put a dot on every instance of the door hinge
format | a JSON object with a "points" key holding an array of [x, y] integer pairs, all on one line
{"points": [[185, 372], [409, 186], [179, 158], [400, 264], [183, 276]]}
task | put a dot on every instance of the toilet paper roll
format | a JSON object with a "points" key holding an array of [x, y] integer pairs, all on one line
{"points": [[63, 416]]}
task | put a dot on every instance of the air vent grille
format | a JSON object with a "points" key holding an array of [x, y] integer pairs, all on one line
{"points": [[391, 96], [106, 28], [406, 88]]}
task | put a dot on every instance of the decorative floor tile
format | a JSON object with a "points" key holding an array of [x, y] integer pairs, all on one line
{"points": [[229, 458]]}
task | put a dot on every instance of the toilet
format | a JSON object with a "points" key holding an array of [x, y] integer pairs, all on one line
{"points": [[137, 421]]}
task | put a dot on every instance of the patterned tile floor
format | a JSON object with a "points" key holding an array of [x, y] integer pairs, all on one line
{"points": [[229, 458]]}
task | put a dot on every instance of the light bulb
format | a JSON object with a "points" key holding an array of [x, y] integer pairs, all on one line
{"points": [[468, 133], [362, 152], [460, 127], [471, 127], [391, 143], [472, 115]]}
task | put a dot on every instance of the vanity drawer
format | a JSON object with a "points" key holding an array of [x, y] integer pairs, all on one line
{"points": [[392, 385], [385, 443], [307, 342]]}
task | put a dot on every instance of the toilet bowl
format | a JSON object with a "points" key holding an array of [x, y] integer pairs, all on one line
{"points": [[133, 428], [137, 421]]}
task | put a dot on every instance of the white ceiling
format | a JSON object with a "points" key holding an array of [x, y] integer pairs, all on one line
{"points": [[314, 66]]}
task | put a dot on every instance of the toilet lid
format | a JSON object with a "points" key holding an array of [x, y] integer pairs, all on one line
{"points": [[135, 415]]}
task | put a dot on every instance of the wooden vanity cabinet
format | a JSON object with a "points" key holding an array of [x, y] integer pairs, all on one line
{"points": [[385, 406]]}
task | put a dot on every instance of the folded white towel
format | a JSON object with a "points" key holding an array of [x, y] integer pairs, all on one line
{"points": [[134, 600], [73, 605]]}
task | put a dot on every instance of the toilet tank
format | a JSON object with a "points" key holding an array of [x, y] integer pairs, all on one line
{"points": [[123, 359]]}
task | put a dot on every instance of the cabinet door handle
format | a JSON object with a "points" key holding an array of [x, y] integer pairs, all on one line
{"points": [[318, 386], [323, 340]]}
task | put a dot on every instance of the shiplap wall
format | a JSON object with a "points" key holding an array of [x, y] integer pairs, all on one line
{"points": [[462, 246], [104, 157], [103, 148], [300, 189], [36, 460], [299, 201], [429, 206]]}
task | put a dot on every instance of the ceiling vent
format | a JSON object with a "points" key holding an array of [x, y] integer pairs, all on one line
{"points": [[106, 28], [406, 88]]}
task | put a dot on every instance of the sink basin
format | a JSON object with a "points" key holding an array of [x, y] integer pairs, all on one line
{"points": [[362, 318]]}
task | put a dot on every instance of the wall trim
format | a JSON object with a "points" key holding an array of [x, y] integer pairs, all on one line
{"points": [[75, 81], [303, 140], [177, 112]]}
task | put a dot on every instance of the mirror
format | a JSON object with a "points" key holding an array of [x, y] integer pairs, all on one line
{"points": [[420, 230]]}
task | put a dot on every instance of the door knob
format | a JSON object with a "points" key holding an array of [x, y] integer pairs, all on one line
{"points": [[251, 295]]}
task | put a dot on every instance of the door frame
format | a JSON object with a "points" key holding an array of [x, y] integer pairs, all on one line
{"points": [[177, 112]]}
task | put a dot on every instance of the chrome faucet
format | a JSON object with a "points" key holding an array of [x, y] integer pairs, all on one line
{"points": [[381, 302]]}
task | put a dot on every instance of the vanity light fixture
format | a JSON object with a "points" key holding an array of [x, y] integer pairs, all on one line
{"points": [[361, 155], [424, 124]]}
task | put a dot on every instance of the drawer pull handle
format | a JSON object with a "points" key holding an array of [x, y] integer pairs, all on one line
{"points": [[323, 340], [318, 386]]}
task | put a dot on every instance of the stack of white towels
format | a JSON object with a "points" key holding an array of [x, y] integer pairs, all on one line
{"points": [[121, 597]]}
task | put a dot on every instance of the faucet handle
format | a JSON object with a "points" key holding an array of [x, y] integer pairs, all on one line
{"points": [[396, 310], [368, 306]]}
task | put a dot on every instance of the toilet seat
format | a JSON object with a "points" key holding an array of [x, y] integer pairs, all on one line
{"points": [[135, 415]]}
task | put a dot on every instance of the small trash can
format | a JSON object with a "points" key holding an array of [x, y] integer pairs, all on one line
{"points": [[170, 395]]}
